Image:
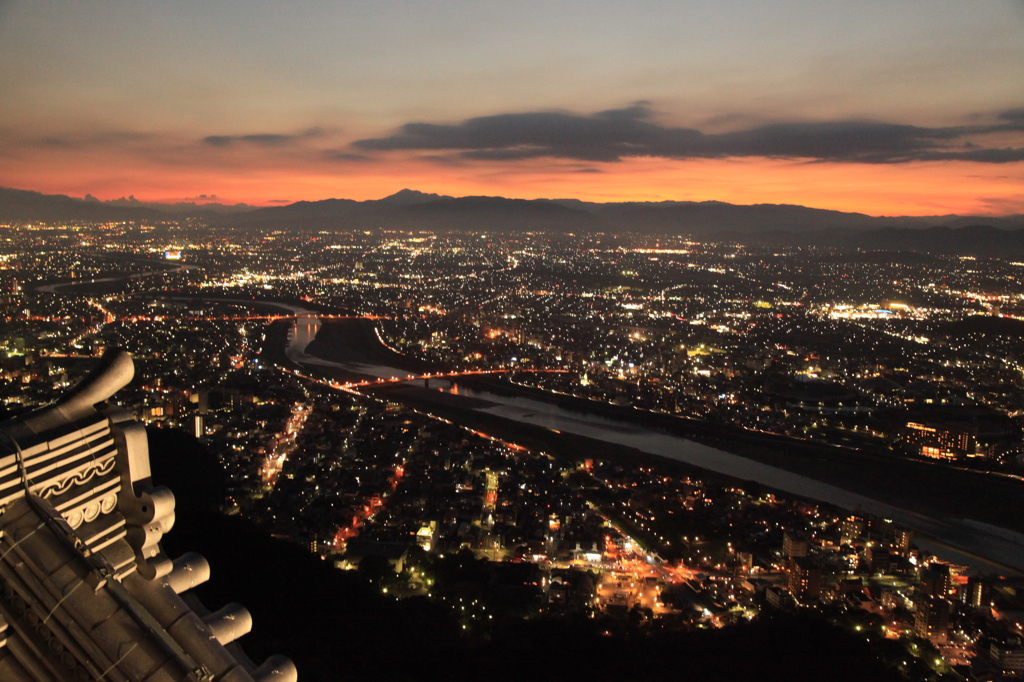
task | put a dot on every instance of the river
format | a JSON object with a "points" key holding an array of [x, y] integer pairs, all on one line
{"points": [[978, 541], [305, 329]]}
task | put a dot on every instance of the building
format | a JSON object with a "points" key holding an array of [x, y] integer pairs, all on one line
{"points": [[931, 619], [804, 579], [901, 539], [86, 592], [937, 580], [794, 545], [939, 441], [1007, 656], [978, 593], [851, 529], [879, 560]]}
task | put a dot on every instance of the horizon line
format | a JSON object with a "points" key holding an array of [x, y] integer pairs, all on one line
{"points": [[272, 203]]}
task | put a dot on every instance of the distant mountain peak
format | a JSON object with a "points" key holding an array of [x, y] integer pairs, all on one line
{"points": [[410, 197]]}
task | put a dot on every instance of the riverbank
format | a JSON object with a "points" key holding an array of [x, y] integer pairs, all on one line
{"points": [[929, 489], [568, 448], [986, 545]]}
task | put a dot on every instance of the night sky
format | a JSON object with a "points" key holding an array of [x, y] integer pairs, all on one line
{"points": [[883, 107]]}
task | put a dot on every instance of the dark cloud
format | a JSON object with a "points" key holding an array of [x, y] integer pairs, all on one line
{"points": [[606, 136], [55, 142], [844, 140], [259, 140], [101, 138], [1013, 114], [262, 139], [218, 140], [526, 152], [638, 110], [267, 140], [1007, 155], [629, 132], [339, 155]]}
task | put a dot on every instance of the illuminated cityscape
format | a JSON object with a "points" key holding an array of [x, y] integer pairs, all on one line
{"points": [[395, 402]]}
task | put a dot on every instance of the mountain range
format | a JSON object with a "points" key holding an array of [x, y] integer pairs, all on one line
{"points": [[412, 210]]}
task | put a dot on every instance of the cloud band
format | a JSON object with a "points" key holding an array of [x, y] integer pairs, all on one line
{"points": [[621, 133]]}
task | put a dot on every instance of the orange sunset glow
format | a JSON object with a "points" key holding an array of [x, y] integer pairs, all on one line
{"points": [[913, 189], [863, 109]]}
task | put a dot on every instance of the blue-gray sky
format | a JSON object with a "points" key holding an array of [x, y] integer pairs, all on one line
{"points": [[835, 104]]}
